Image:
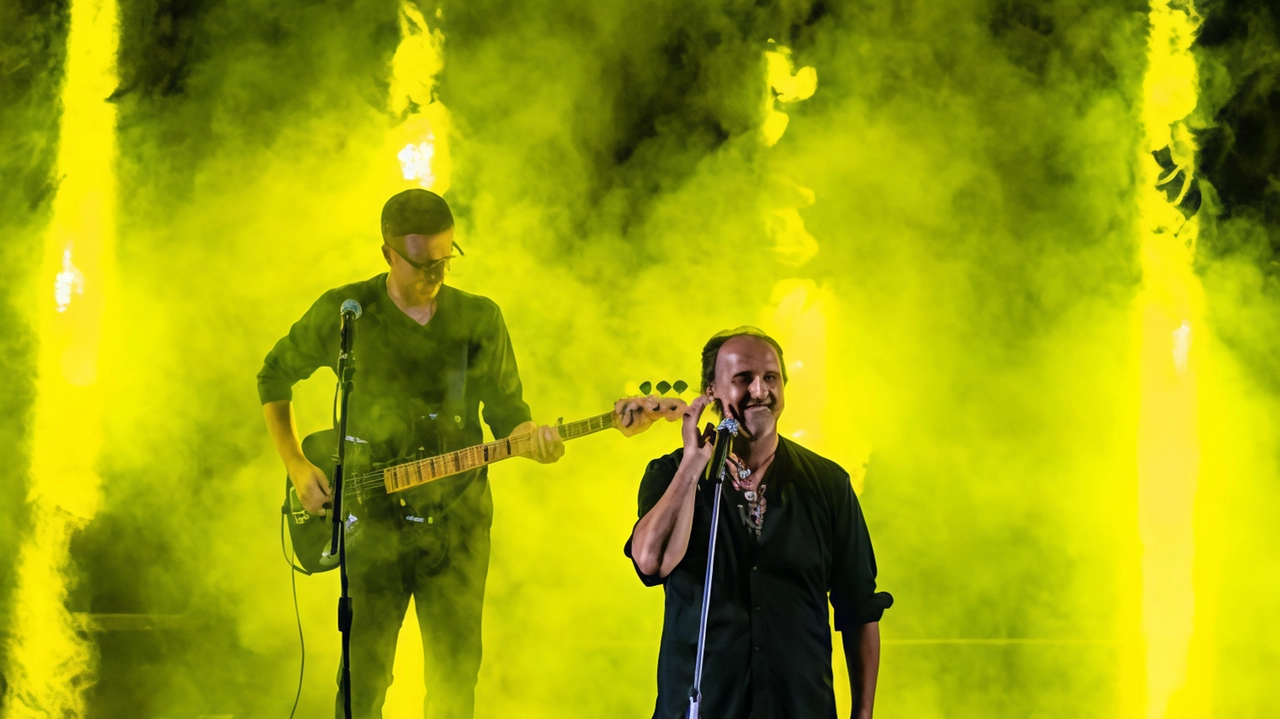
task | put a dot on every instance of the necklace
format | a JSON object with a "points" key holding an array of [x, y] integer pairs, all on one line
{"points": [[753, 512], [742, 470]]}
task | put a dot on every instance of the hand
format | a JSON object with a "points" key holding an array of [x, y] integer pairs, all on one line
{"points": [[312, 486], [633, 415], [698, 446], [548, 447]]}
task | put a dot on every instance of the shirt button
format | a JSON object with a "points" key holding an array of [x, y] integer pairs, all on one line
{"points": [[757, 648], [754, 567], [757, 607]]}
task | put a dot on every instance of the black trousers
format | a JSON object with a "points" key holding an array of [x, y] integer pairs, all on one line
{"points": [[443, 566]]}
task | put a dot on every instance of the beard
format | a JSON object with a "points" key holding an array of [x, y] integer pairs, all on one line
{"points": [[428, 287], [759, 418]]}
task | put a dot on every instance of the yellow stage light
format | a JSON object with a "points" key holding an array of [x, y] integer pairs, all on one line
{"points": [[51, 662], [1168, 314]]}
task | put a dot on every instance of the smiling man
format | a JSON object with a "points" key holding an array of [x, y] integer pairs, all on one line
{"points": [[791, 534], [427, 356]]}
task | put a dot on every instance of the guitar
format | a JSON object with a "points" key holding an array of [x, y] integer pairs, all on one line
{"points": [[311, 535]]}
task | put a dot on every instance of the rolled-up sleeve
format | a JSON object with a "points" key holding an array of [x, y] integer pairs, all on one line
{"points": [[657, 477], [501, 389], [310, 345], [853, 570]]}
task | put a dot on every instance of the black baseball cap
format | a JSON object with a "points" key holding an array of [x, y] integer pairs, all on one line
{"points": [[415, 212]]}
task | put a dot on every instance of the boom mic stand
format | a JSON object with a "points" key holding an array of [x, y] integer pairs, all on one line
{"points": [[725, 432], [346, 369]]}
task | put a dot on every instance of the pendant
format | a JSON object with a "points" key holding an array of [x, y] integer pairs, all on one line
{"points": [[749, 495], [744, 473]]}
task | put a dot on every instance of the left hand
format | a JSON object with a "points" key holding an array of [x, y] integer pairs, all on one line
{"points": [[548, 447], [633, 415]]}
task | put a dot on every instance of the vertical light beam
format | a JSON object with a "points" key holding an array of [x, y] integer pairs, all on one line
{"points": [[1168, 327], [50, 662], [421, 140], [422, 147], [798, 307]]}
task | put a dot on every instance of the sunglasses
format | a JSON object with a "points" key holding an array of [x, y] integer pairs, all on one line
{"points": [[433, 267]]}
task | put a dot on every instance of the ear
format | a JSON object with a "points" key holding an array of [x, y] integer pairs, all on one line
{"points": [[386, 254], [715, 403]]}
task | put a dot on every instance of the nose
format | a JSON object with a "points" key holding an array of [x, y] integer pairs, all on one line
{"points": [[758, 389]]}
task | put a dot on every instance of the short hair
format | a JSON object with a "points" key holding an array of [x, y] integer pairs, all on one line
{"points": [[711, 351], [415, 212]]}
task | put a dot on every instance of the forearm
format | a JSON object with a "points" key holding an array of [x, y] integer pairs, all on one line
{"points": [[862, 656], [283, 430], [661, 537]]}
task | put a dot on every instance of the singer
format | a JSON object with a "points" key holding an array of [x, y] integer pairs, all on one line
{"points": [[427, 356], [791, 532]]}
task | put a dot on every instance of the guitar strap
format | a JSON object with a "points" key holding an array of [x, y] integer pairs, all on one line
{"points": [[449, 421], [455, 394]]}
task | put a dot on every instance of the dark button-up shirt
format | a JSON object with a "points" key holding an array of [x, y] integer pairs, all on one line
{"points": [[415, 385], [768, 637]]}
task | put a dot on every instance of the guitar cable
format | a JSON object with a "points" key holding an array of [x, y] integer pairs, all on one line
{"points": [[297, 615], [294, 570]]}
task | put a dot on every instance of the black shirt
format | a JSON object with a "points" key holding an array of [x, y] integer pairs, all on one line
{"points": [[768, 637], [415, 385]]}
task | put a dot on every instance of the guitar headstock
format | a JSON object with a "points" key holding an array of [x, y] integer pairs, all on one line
{"points": [[633, 415], [663, 387]]}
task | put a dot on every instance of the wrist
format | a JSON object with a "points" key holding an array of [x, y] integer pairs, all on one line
{"points": [[524, 427], [690, 469]]}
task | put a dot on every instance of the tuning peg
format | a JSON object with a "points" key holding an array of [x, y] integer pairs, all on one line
{"points": [[646, 387], [663, 387], [680, 386]]}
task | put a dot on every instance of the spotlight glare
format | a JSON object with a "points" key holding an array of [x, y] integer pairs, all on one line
{"points": [[415, 162], [70, 281]]}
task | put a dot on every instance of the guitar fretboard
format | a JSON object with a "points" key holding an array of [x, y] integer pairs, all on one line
{"points": [[413, 474]]}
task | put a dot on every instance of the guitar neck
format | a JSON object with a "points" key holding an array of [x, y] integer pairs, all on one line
{"points": [[419, 472]]}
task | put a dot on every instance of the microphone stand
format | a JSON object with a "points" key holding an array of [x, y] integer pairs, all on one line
{"points": [[346, 369], [725, 432]]}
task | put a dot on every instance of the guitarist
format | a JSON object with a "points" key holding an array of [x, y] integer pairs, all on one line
{"points": [[427, 355]]}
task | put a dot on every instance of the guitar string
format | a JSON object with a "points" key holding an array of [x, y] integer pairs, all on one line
{"points": [[372, 480], [376, 479]]}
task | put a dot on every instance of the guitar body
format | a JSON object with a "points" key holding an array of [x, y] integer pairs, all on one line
{"points": [[310, 535], [390, 489]]}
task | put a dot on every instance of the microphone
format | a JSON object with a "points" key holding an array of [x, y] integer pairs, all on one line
{"points": [[351, 312]]}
